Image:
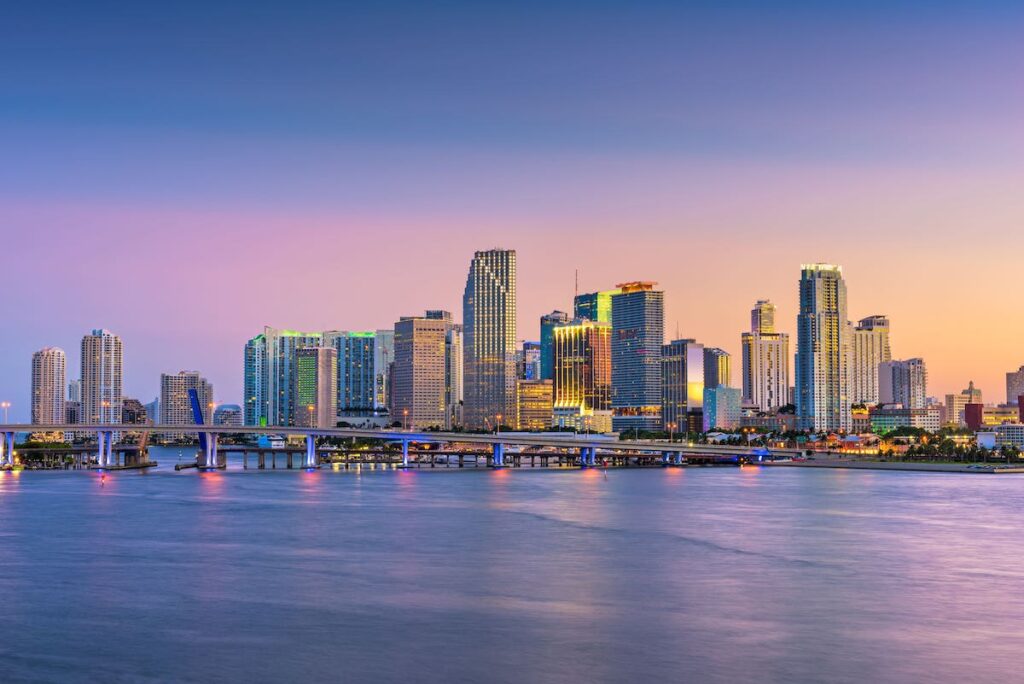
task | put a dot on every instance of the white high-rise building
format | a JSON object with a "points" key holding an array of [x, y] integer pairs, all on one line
{"points": [[765, 360], [870, 348], [903, 382], [48, 377], [175, 404], [102, 354], [823, 350]]}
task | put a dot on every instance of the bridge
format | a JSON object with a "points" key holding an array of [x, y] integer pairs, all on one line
{"points": [[587, 446]]}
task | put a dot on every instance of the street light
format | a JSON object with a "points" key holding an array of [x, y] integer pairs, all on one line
{"points": [[671, 432], [497, 424], [310, 409], [5, 405], [405, 419]]}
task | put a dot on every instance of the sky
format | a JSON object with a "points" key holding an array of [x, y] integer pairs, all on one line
{"points": [[184, 174]]}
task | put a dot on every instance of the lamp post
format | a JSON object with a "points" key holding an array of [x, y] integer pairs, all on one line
{"points": [[5, 405], [671, 432], [497, 424], [405, 419], [311, 408]]}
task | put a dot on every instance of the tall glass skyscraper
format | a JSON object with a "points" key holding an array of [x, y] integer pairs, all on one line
{"points": [[548, 323], [489, 339], [269, 367], [357, 381], [638, 332], [823, 350], [595, 306], [682, 382], [583, 376]]}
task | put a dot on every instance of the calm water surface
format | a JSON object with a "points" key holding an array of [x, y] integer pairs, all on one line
{"points": [[701, 575]]}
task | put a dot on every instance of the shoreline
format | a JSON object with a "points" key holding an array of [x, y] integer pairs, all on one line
{"points": [[967, 468]]}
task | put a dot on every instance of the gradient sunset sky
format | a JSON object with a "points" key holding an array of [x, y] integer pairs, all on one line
{"points": [[185, 174]]}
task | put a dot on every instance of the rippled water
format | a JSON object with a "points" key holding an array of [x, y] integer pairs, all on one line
{"points": [[699, 575]]}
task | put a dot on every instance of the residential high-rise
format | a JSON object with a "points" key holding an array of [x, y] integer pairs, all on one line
{"points": [[269, 366], [1014, 386], [315, 387], [638, 332], [721, 408], [765, 360], [357, 378], [228, 414], [534, 404], [418, 377], [595, 306], [548, 323], [717, 368], [870, 348], [582, 382], [102, 355], [903, 382], [175, 404], [48, 378], [489, 339], [822, 355], [682, 382]]}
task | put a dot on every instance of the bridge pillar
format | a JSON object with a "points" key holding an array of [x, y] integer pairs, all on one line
{"points": [[405, 454], [7, 450], [499, 455], [208, 460], [588, 457], [311, 460], [677, 458], [101, 449]]}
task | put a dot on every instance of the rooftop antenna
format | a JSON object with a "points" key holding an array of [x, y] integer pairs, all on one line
{"points": [[576, 289]]}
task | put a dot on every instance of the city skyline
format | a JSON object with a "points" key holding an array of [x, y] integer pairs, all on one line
{"points": [[184, 194]]}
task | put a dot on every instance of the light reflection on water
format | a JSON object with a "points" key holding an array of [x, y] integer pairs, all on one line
{"points": [[723, 575]]}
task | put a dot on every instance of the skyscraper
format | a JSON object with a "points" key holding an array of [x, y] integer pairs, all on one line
{"points": [[765, 360], [903, 382], [682, 382], [717, 368], [489, 339], [419, 391], [870, 348], [528, 361], [638, 332], [315, 387], [582, 376], [453, 365], [175, 404], [269, 365], [357, 378], [534, 404], [1014, 386], [383, 356], [823, 331], [48, 377], [101, 378], [595, 306], [721, 408], [548, 323]]}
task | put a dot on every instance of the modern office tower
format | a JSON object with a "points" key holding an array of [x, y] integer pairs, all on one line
{"points": [[383, 355], [1014, 386], [582, 383], [548, 323], [269, 366], [228, 414], [870, 347], [682, 382], [638, 333], [48, 378], [762, 317], [75, 391], [822, 355], [357, 378], [418, 378], [175, 404], [595, 306], [903, 382], [315, 387], [721, 408], [534, 401], [101, 378], [489, 339], [528, 361], [133, 412], [717, 368], [955, 403], [765, 360]]}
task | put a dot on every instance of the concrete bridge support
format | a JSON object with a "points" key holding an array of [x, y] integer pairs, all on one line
{"points": [[498, 451], [588, 457], [311, 459], [208, 459], [7, 450], [104, 449], [405, 453]]}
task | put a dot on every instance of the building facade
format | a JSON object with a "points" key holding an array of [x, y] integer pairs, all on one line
{"points": [[722, 408], [528, 361], [489, 339], [534, 402], [822, 355], [595, 306], [101, 385], [870, 348], [269, 369], [956, 403], [638, 333], [682, 383], [1014, 386], [49, 369], [582, 382], [548, 323], [904, 383], [357, 370], [133, 412], [717, 368], [315, 387], [419, 375], [228, 414], [765, 357], [175, 404]]}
